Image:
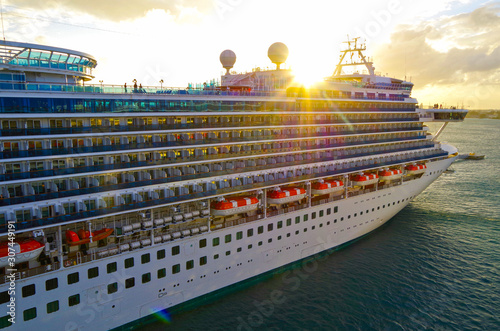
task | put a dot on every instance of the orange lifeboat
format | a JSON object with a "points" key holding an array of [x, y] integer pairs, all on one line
{"points": [[232, 206], [327, 186], [278, 196], [22, 251], [415, 169], [73, 239], [390, 174], [364, 179]]}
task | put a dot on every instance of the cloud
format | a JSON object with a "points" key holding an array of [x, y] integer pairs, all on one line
{"points": [[118, 10], [458, 53], [451, 49]]}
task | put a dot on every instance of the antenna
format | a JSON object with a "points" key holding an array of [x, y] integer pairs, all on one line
{"points": [[1, 15], [405, 64]]}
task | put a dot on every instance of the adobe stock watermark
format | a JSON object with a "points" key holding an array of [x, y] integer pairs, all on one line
{"points": [[380, 20], [292, 279], [222, 7], [89, 311], [476, 95], [153, 77], [11, 271]]}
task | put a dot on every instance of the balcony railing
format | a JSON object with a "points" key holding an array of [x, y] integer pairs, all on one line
{"points": [[172, 179], [170, 161], [26, 224], [7, 154]]}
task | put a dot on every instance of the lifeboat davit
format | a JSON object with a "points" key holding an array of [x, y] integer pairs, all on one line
{"points": [[364, 179], [390, 174], [74, 239], [22, 251], [327, 186], [416, 169], [278, 196], [233, 206]]}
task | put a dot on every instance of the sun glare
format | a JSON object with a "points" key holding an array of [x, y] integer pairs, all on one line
{"points": [[306, 76], [309, 68]]}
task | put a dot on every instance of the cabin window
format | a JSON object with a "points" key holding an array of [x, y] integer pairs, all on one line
{"points": [[249, 232], [28, 290], [111, 267], [74, 300], [93, 272], [176, 268], [297, 220], [289, 222], [29, 314], [52, 306], [215, 241], [146, 278], [73, 278], [203, 260], [160, 254], [239, 235], [162, 273], [112, 288], [129, 263], [130, 282], [203, 243], [4, 297], [145, 258], [227, 238], [176, 250], [313, 215], [329, 211], [260, 229], [51, 284], [189, 264]]}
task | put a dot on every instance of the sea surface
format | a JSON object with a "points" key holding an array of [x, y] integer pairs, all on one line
{"points": [[434, 266]]}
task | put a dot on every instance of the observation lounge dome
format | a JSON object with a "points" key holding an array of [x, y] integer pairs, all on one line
{"points": [[40, 63]]}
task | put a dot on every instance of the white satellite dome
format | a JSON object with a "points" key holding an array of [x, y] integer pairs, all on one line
{"points": [[228, 59], [277, 53]]}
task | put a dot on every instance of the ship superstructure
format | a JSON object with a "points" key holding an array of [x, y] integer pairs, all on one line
{"points": [[127, 201]]}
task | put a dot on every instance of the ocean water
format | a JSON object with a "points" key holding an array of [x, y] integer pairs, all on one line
{"points": [[434, 266]]}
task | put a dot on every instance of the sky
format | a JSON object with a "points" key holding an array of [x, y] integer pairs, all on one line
{"points": [[450, 49]]}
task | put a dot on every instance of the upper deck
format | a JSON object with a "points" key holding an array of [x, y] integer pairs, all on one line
{"points": [[40, 63]]}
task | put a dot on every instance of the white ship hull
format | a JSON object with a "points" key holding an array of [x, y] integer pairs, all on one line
{"points": [[99, 310]]}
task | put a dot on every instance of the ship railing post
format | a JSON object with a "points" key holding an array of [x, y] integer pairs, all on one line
{"points": [[264, 198], [209, 218], [59, 247], [346, 184], [309, 198], [152, 232]]}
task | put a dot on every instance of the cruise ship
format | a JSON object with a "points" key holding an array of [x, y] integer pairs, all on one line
{"points": [[119, 202]]}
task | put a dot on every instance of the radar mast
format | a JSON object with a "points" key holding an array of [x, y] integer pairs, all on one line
{"points": [[352, 48]]}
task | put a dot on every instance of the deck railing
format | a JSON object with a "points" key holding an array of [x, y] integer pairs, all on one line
{"points": [[110, 250]]}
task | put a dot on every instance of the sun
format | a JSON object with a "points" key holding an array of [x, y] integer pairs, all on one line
{"points": [[307, 71], [306, 77]]}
